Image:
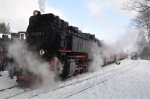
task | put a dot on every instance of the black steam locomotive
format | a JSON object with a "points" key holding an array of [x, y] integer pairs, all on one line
{"points": [[49, 36]]}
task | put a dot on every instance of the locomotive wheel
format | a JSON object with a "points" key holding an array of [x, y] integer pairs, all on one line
{"points": [[76, 72], [81, 71], [28, 80]]}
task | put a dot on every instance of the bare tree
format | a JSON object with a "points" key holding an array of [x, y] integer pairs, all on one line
{"points": [[142, 22], [142, 19], [4, 28]]}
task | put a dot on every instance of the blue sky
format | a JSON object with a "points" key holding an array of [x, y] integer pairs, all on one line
{"points": [[104, 18], [105, 21]]}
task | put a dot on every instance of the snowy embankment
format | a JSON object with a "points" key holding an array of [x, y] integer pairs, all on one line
{"points": [[129, 80]]}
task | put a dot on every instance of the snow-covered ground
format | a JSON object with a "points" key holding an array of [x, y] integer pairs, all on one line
{"points": [[6, 82], [129, 80]]}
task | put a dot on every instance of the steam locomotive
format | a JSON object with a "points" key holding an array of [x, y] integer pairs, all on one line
{"points": [[50, 37], [53, 40]]}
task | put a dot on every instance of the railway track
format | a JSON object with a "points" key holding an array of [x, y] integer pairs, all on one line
{"points": [[110, 77], [13, 91], [79, 84], [32, 93], [7, 88]]}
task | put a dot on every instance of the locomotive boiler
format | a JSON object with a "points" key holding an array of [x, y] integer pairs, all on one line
{"points": [[51, 37]]}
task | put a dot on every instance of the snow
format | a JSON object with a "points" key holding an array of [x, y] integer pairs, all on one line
{"points": [[5, 81], [129, 80], [130, 84]]}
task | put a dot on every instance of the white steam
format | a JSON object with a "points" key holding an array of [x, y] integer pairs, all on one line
{"points": [[42, 5], [97, 60], [31, 62], [128, 43]]}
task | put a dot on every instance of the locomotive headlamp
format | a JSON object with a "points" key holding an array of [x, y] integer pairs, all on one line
{"points": [[42, 52], [36, 13]]}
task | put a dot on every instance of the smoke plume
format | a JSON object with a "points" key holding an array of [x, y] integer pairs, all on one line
{"points": [[42, 5]]}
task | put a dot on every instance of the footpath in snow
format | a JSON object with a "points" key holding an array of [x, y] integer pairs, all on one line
{"points": [[129, 80]]}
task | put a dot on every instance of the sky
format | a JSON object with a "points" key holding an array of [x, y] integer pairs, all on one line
{"points": [[107, 19]]}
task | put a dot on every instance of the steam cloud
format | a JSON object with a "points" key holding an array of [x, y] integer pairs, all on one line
{"points": [[42, 5], [97, 61], [30, 61], [132, 41]]}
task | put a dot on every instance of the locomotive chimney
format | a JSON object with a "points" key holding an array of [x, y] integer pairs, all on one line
{"points": [[36, 13]]}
